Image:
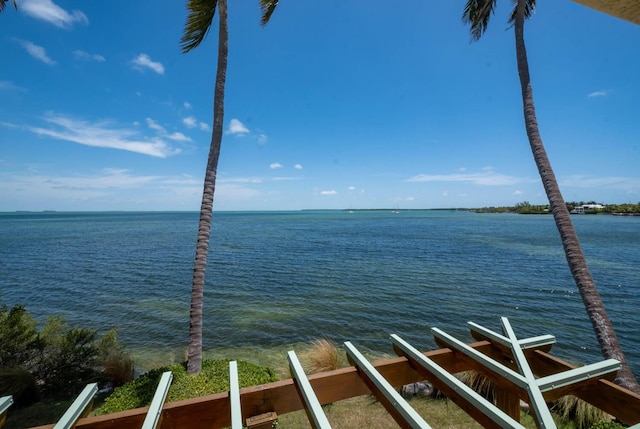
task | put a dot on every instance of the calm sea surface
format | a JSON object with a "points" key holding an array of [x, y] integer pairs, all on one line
{"points": [[276, 280]]}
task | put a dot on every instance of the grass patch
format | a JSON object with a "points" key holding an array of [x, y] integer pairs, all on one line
{"points": [[366, 412]]}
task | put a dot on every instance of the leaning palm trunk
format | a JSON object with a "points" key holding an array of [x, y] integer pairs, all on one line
{"points": [[194, 364], [577, 263]]}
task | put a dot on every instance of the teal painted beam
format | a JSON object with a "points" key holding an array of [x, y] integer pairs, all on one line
{"points": [[5, 403], [536, 400], [155, 409], [234, 396], [410, 416], [77, 409], [526, 343], [576, 375], [318, 419], [481, 404], [498, 368]]}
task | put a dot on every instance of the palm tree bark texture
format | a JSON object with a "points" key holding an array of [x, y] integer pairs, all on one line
{"points": [[199, 20], [477, 14]]}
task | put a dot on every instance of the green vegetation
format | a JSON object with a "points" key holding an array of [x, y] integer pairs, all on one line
{"points": [[213, 378], [527, 208], [607, 425], [57, 361]]}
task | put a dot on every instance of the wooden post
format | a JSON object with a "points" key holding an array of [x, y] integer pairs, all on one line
{"points": [[508, 402]]}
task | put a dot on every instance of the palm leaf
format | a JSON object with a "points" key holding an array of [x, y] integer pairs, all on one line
{"points": [[199, 20], [477, 13], [3, 3], [529, 8], [266, 8]]}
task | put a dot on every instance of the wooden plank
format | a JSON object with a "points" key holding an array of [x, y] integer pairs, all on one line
{"points": [[314, 411], [79, 408], [507, 402], [479, 408], [234, 396], [400, 410], [154, 415]]}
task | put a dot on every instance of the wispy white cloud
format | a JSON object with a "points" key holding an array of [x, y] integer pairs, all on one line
{"points": [[143, 61], [351, 188], [262, 139], [329, 192], [486, 178], [190, 122], [6, 85], [178, 137], [285, 179], [107, 189], [102, 134], [275, 165], [598, 94], [187, 105], [162, 132], [83, 55], [155, 126], [614, 182], [298, 166], [37, 52], [47, 10], [236, 127], [254, 180]]}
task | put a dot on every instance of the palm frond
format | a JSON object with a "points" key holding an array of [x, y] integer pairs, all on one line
{"points": [[266, 8], [199, 19], [477, 13], [3, 3], [529, 8]]}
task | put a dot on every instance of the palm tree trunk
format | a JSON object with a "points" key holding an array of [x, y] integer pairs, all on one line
{"points": [[577, 263], [194, 364]]}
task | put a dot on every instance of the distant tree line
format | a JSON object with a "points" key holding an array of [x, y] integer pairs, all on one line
{"points": [[527, 208]]}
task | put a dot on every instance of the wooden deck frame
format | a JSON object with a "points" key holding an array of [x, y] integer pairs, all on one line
{"points": [[213, 411]]}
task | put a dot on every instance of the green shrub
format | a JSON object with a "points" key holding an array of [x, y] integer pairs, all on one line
{"points": [[69, 359], [19, 383], [18, 336], [61, 360], [213, 378], [606, 425]]}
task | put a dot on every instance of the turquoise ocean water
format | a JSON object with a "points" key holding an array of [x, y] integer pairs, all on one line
{"points": [[276, 280]]}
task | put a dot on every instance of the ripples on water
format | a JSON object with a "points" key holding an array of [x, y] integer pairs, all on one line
{"points": [[278, 279]]}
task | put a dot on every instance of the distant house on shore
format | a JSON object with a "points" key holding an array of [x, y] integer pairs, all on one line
{"points": [[587, 208]]}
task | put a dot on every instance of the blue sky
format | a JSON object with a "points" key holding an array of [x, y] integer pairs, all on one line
{"points": [[332, 105]]}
